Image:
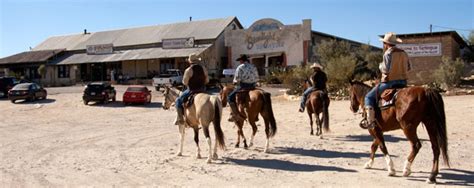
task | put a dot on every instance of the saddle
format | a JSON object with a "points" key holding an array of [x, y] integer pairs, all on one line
{"points": [[243, 97], [389, 96], [188, 101]]}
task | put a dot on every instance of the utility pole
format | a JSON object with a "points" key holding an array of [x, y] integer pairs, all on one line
{"points": [[431, 28]]}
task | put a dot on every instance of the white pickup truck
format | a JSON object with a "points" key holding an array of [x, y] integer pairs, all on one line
{"points": [[171, 77]]}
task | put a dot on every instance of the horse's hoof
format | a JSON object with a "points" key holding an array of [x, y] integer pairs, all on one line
{"points": [[179, 154], [368, 165], [311, 133], [431, 179], [198, 156], [208, 161], [214, 156], [406, 173], [265, 151], [320, 136], [251, 144], [391, 173], [236, 145]]}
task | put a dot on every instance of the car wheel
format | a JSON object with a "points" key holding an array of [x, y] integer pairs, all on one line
{"points": [[86, 102], [114, 99], [106, 100], [32, 98], [13, 101]]}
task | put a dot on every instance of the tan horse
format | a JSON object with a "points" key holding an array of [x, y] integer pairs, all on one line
{"points": [[205, 109], [258, 102]]}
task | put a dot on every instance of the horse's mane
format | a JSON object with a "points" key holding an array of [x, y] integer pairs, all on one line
{"points": [[360, 86]]}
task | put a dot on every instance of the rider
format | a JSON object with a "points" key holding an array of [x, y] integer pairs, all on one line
{"points": [[195, 79], [394, 68], [317, 82], [246, 76]]}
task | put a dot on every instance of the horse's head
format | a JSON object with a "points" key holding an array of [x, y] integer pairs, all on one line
{"points": [[169, 97], [357, 91], [225, 91]]}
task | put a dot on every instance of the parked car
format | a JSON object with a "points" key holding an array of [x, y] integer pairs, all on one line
{"points": [[137, 94], [99, 92], [27, 91], [171, 77], [6, 83]]}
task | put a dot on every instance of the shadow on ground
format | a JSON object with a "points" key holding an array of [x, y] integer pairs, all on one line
{"points": [[43, 101], [368, 138], [118, 104], [285, 165], [322, 153]]}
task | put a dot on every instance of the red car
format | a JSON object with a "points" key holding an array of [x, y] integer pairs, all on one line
{"points": [[137, 94]]}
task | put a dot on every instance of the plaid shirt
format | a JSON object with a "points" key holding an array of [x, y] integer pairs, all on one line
{"points": [[246, 73]]}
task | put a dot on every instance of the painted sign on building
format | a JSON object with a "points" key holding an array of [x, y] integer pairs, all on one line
{"points": [[419, 50], [265, 34], [100, 49], [178, 43]]}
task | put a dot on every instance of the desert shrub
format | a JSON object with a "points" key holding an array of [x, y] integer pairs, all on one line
{"points": [[340, 70], [293, 78], [449, 72]]}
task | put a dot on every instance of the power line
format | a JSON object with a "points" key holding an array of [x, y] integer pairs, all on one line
{"points": [[452, 28]]}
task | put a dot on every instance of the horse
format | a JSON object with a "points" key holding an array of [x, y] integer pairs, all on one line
{"points": [[317, 103], [412, 106], [205, 109], [258, 102]]}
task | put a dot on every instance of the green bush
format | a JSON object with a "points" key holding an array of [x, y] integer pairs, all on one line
{"points": [[294, 77], [449, 72], [340, 70]]}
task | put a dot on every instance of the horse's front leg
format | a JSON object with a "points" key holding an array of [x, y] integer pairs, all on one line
{"points": [[239, 128], [388, 159], [182, 130], [196, 139], [373, 149], [310, 122], [208, 139]]}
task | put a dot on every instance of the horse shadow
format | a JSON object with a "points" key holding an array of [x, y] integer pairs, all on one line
{"points": [[369, 138], [459, 178], [322, 153], [118, 104], [276, 164]]}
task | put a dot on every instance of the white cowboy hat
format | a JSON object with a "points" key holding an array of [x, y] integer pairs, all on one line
{"points": [[391, 38], [316, 65], [194, 58]]}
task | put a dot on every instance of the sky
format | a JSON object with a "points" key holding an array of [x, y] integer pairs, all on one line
{"points": [[26, 23]]}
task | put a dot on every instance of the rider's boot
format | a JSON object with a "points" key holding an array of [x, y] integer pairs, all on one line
{"points": [[370, 117], [234, 113], [180, 118]]}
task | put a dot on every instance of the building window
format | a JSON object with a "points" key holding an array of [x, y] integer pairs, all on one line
{"points": [[63, 71]]}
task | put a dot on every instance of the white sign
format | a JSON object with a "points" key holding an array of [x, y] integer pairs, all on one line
{"points": [[100, 49], [419, 50], [228, 72], [178, 43]]}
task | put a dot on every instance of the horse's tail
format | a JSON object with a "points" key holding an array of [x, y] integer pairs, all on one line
{"points": [[436, 110], [267, 108], [217, 123], [325, 111]]}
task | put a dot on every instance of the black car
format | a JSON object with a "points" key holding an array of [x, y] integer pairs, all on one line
{"points": [[99, 92], [27, 91], [6, 83]]}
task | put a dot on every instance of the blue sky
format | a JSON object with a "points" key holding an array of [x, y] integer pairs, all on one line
{"points": [[26, 23]]}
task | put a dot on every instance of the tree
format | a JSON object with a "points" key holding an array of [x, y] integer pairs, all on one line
{"points": [[449, 72], [42, 71]]}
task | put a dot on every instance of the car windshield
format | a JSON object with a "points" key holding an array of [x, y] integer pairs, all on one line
{"points": [[21, 87], [136, 89], [95, 87]]}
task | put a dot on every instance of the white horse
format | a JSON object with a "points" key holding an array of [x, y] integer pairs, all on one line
{"points": [[204, 110]]}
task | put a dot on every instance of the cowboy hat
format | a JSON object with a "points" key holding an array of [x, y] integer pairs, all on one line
{"points": [[316, 65], [391, 38], [194, 58], [243, 57]]}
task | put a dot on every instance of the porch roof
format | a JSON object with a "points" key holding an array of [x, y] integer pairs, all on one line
{"points": [[134, 54]]}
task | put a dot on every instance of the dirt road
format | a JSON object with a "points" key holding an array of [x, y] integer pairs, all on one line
{"points": [[62, 142]]}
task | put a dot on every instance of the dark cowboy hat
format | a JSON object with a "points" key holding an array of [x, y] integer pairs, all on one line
{"points": [[243, 57]]}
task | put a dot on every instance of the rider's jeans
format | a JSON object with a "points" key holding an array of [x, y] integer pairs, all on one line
{"points": [[305, 96], [180, 99], [231, 97], [370, 98]]}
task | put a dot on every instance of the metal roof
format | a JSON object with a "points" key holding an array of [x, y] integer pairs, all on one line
{"points": [[135, 54], [30, 56], [200, 30], [454, 34]]}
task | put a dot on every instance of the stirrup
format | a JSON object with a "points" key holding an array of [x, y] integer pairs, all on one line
{"points": [[366, 125]]}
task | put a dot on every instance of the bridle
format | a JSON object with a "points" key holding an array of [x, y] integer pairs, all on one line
{"points": [[171, 95]]}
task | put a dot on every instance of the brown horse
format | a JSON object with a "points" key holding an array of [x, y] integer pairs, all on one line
{"points": [[259, 102], [316, 104], [412, 106]]}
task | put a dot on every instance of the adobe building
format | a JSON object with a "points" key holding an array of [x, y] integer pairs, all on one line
{"points": [[426, 50], [269, 43], [136, 53]]}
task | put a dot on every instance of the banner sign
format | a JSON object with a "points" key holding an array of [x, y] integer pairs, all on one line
{"points": [[178, 43], [100, 49], [419, 50]]}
